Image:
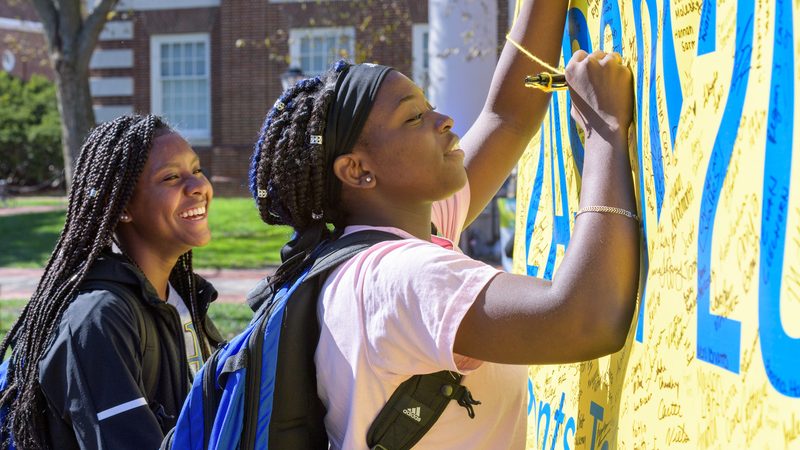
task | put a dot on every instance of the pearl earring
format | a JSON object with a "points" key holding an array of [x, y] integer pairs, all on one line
{"points": [[368, 179]]}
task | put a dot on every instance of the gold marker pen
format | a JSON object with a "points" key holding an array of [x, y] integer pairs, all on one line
{"points": [[547, 81]]}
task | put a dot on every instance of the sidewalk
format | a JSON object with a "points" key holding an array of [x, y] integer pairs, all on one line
{"points": [[232, 284]]}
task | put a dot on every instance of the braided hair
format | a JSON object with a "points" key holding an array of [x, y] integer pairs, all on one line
{"points": [[288, 172], [107, 170]]}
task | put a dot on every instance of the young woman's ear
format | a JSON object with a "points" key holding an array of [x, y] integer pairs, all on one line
{"points": [[125, 216], [351, 171]]}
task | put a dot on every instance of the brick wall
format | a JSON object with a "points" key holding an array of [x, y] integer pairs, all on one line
{"points": [[250, 50], [254, 51], [28, 47]]}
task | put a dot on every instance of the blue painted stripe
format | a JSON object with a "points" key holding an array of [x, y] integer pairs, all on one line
{"points": [[637, 13], [655, 126], [779, 351], [672, 79], [718, 338], [561, 232], [610, 16], [707, 33], [577, 30], [533, 207]]}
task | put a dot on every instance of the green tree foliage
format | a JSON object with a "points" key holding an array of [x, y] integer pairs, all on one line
{"points": [[30, 135]]}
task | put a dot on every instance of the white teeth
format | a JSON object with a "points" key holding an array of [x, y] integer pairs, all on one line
{"points": [[193, 212]]}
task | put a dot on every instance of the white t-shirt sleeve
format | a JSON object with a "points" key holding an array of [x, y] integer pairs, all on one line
{"points": [[418, 294]]}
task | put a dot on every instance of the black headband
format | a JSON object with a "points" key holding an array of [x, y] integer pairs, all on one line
{"points": [[356, 89]]}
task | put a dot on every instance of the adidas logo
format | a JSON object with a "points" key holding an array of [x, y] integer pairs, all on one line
{"points": [[413, 413]]}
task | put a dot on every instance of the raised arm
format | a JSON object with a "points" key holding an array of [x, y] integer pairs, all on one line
{"points": [[585, 312], [512, 113]]}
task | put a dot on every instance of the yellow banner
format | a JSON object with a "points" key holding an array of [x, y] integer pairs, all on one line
{"points": [[713, 357]]}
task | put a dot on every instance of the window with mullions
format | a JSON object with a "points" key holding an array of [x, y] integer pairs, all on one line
{"points": [[315, 49], [180, 83], [420, 56]]}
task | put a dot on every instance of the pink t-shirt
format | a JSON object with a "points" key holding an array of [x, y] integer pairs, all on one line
{"points": [[392, 312]]}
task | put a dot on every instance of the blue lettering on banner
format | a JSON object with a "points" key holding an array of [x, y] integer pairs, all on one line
{"points": [[578, 31], [544, 414], [610, 17], [544, 411], [718, 337], [655, 135], [561, 232], [707, 33], [596, 411], [672, 80], [533, 206], [674, 103], [569, 427], [779, 351]]}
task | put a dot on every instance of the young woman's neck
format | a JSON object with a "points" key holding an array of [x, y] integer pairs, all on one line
{"points": [[413, 220], [156, 268]]}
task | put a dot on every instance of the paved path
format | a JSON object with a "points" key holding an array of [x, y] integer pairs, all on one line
{"points": [[231, 284]]}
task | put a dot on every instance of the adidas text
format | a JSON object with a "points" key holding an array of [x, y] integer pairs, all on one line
{"points": [[413, 413]]}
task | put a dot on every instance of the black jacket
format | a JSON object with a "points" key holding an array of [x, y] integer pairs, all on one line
{"points": [[93, 376]]}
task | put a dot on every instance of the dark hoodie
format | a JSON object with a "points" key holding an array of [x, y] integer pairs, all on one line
{"points": [[101, 391]]}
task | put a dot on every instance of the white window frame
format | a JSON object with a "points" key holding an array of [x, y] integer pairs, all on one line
{"points": [[418, 51], [194, 136], [296, 34]]}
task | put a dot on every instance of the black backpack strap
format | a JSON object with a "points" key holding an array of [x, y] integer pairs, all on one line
{"points": [[147, 330], [418, 402], [297, 420], [414, 407], [334, 253]]}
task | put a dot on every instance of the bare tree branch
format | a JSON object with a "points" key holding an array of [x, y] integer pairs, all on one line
{"points": [[92, 27]]}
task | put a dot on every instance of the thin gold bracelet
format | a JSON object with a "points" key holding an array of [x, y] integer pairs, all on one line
{"points": [[607, 209]]}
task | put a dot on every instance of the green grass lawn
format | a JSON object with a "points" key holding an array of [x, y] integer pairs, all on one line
{"points": [[28, 239], [229, 318], [239, 238], [17, 202]]}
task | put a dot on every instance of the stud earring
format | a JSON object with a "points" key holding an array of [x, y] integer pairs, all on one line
{"points": [[368, 179], [125, 218]]}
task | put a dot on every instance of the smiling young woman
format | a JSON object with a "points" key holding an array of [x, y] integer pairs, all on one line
{"points": [[117, 326]]}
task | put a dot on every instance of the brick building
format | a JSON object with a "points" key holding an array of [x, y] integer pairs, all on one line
{"points": [[213, 68], [22, 46]]}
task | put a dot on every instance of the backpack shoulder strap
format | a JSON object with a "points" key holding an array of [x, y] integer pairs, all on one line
{"points": [[418, 402], [414, 408], [297, 413], [344, 248], [147, 332]]}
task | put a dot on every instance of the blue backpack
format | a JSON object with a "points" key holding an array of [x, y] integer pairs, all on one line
{"points": [[259, 391], [4, 410]]}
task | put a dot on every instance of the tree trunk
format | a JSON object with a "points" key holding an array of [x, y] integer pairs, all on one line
{"points": [[71, 37], [77, 115]]}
